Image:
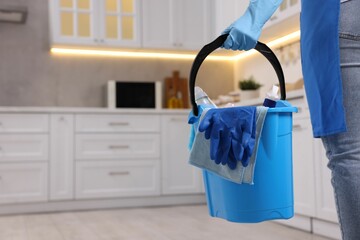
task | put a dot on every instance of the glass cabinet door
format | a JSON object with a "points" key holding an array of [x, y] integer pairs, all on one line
{"points": [[120, 22], [75, 21]]}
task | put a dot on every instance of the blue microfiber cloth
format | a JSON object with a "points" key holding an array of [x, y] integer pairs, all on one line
{"points": [[200, 151]]}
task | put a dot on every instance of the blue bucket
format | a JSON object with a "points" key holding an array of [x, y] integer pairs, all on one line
{"points": [[271, 195]]}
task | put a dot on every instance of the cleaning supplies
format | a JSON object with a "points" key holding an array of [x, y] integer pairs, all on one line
{"points": [[204, 102], [272, 97], [202, 99]]}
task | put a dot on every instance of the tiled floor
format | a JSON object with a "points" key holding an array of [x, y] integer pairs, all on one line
{"points": [[166, 223]]}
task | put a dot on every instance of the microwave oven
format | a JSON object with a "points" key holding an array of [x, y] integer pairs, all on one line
{"points": [[126, 94]]}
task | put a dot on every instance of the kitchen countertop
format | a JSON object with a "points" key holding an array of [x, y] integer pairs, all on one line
{"points": [[252, 102], [90, 110], [290, 95]]}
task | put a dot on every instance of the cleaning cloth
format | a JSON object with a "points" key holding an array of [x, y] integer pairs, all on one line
{"points": [[200, 155]]}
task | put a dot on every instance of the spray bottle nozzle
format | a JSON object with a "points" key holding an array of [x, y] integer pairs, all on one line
{"points": [[271, 97]]}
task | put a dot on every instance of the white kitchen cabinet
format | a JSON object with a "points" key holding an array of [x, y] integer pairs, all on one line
{"points": [[303, 165], [24, 123], [117, 146], [108, 23], [24, 150], [62, 157], [117, 155], [24, 147], [73, 21], [117, 123], [119, 23], [325, 204], [104, 179], [178, 176], [287, 9], [23, 182], [176, 24], [225, 13]]}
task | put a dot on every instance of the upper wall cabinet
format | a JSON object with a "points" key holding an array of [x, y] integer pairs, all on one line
{"points": [[95, 22], [287, 9], [176, 24], [226, 12], [284, 21]]}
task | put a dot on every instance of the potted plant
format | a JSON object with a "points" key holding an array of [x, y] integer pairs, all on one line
{"points": [[249, 88]]}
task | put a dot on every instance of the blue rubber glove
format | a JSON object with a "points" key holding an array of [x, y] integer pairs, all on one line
{"points": [[245, 32], [232, 134]]}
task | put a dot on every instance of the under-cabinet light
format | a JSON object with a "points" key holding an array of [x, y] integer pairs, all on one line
{"points": [[134, 54], [295, 36]]}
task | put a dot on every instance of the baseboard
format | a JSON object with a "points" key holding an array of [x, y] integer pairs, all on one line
{"points": [[80, 205], [326, 229], [298, 221]]}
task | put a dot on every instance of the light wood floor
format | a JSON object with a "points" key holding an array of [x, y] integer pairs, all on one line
{"points": [[165, 223]]}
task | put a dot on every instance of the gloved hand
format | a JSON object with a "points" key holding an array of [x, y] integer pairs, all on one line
{"points": [[232, 134], [245, 32]]}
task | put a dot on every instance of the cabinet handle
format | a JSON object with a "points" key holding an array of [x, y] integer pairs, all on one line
{"points": [[119, 124], [297, 127], [176, 119], [96, 40], [102, 40], [119, 173], [1, 124], [119, 147]]}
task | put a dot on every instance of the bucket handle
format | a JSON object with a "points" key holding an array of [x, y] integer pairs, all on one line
{"points": [[209, 48]]}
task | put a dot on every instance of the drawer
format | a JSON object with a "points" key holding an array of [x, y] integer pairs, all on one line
{"points": [[117, 179], [23, 182], [117, 123], [24, 147], [24, 123], [115, 146]]}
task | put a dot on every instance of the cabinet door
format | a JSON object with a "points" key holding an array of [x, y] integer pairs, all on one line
{"points": [[117, 179], [62, 157], [178, 176], [119, 23], [287, 9], [24, 147], [73, 21], [325, 204], [303, 165], [23, 182], [158, 21], [192, 23], [226, 12]]}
